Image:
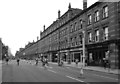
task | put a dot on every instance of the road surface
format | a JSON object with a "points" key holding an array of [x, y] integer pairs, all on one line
{"points": [[28, 72]]}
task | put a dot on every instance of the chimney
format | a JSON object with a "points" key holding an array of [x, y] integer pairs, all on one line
{"points": [[37, 38], [84, 4], [44, 27], [58, 14], [69, 7]]}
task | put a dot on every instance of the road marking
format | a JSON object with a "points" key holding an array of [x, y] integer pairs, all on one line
{"points": [[68, 67], [49, 67], [96, 75], [52, 71], [105, 77], [74, 78]]}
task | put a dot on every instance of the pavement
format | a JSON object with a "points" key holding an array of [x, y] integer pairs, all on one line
{"points": [[94, 68]]}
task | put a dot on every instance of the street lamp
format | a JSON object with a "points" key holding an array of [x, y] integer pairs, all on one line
{"points": [[83, 39]]}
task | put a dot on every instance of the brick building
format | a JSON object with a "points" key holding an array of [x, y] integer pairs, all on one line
{"points": [[63, 38]]}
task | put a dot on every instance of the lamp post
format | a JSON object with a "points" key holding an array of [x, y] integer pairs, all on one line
{"points": [[83, 39]]}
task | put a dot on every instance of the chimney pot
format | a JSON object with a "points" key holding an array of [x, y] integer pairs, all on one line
{"points": [[84, 4]]}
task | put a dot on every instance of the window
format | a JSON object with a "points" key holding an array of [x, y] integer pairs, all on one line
{"points": [[105, 11], [105, 36], [80, 39], [97, 35], [75, 26], [96, 16], [89, 19], [81, 24], [89, 37], [70, 28]]}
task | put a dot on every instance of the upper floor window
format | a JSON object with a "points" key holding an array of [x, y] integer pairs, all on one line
{"points": [[96, 16], [70, 28], [89, 19], [89, 37], [105, 11], [80, 39], [105, 36], [75, 26], [81, 24], [96, 35]]}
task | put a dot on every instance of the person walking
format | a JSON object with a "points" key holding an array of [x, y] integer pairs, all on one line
{"points": [[76, 61], [18, 60], [36, 61], [7, 59]]}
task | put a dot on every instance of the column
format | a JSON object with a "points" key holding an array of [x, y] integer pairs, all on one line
{"points": [[113, 48]]}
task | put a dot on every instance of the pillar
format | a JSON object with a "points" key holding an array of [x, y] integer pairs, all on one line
{"points": [[113, 48]]}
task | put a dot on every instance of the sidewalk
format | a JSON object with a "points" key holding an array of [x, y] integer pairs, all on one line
{"points": [[95, 68]]}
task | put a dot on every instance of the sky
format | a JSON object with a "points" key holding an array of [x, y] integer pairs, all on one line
{"points": [[22, 20]]}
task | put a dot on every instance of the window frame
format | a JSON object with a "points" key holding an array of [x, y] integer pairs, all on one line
{"points": [[89, 19], [105, 11], [89, 39], [97, 16], [97, 36]]}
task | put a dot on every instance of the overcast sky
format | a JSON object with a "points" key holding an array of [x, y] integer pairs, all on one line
{"points": [[22, 20]]}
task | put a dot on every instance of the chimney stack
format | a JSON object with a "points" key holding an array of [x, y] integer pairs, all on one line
{"points": [[84, 4], [37, 38], [44, 27], [69, 7], [58, 14]]}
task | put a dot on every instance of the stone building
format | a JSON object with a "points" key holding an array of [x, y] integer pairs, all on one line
{"points": [[63, 38], [0, 49], [101, 24]]}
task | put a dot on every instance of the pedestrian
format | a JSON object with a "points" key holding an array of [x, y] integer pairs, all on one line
{"points": [[47, 62], [44, 63], [36, 61], [81, 71], [76, 61], [7, 60], [18, 60]]}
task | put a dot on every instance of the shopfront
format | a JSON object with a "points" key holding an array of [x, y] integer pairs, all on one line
{"points": [[96, 54]]}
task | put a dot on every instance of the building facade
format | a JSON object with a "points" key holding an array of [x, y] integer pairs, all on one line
{"points": [[0, 49], [101, 24], [62, 40]]}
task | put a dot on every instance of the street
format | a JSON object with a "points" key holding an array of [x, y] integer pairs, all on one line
{"points": [[27, 71]]}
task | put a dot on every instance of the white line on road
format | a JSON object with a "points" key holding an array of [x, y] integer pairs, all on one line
{"points": [[74, 78], [98, 75], [52, 71], [105, 77]]}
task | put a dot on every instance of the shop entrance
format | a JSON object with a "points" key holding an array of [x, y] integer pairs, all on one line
{"points": [[77, 56], [95, 56]]}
